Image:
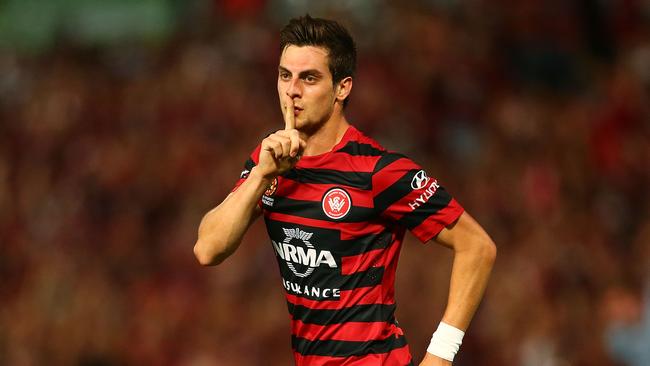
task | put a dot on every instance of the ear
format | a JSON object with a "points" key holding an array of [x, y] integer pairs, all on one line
{"points": [[343, 89]]}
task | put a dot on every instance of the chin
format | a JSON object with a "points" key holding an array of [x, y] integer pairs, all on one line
{"points": [[308, 127]]}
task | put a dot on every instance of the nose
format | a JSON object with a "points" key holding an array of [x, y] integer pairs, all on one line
{"points": [[294, 89]]}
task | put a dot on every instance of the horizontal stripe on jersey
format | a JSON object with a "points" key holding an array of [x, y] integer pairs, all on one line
{"points": [[314, 210], [388, 172], [350, 331], [348, 230], [360, 149], [340, 161], [330, 238], [379, 257], [373, 295], [359, 180], [397, 357], [412, 218], [362, 262], [433, 224], [386, 159], [371, 277], [355, 313], [400, 189], [346, 348], [288, 188]]}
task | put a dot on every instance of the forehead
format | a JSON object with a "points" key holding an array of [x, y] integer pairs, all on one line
{"points": [[299, 58]]}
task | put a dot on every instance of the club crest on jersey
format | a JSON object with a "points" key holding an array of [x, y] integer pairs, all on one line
{"points": [[336, 203], [420, 180]]}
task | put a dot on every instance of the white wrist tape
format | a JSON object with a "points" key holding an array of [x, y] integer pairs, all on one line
{"points": [[446, 341]]}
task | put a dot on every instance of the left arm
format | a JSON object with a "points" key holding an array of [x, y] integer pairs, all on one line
{"points": [[474, 255]]}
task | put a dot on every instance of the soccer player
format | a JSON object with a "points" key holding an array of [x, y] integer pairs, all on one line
{"points": [[336, 206]]}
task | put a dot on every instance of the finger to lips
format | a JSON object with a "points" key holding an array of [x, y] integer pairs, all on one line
{"points": [[289, 118]]}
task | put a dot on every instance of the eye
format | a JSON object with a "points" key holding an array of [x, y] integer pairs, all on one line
{"points": [[310, 79], [285, 76]]}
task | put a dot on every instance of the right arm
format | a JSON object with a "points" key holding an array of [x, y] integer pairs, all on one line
{"points": [[222, 229]]}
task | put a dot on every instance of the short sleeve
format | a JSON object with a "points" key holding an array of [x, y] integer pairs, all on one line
{"points": [[404, 193], [248, 166]]}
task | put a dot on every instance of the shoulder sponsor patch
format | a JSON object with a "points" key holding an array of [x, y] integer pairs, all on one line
{"points": [[267, 198], [420, 180], [425, 196]]}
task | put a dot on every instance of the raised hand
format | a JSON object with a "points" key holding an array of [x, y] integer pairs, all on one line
{"points": [[281, 150]]}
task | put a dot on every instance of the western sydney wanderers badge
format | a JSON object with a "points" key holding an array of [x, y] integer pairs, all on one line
{"points": [[336, 203]]}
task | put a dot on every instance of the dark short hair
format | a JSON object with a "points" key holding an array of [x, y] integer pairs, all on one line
{"points": [[308, 31]]}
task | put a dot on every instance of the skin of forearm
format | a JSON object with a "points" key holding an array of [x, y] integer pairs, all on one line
{"points": [[222, 229], [469, 277]]}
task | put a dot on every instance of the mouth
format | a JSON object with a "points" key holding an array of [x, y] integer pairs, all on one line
{"points": [[297, 110]]}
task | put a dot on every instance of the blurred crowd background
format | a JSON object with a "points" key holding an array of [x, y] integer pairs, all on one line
{"points": [[123, 122]]}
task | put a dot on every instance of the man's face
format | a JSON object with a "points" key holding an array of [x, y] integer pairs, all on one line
{"points": [[304, 76]]}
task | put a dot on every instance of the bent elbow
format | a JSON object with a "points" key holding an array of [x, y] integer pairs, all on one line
{"points": [[206, 258], [489, 250], [201, 256]]}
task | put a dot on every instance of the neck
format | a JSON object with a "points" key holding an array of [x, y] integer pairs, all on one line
{"points": [[327, 136]]}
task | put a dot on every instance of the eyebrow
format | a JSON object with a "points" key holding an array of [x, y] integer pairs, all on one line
{"points": [[304, 73]]}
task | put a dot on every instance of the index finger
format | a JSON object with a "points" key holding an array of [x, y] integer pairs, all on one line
{"points": [[289, 118]]}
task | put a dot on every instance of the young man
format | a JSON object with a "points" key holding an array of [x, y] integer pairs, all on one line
{"points": [[336, 206]]}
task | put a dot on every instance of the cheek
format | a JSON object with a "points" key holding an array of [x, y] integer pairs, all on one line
{"points": [[324, 98]]}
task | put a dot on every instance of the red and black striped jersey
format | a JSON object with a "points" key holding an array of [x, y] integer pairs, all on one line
{"points": [[336, 223]]}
